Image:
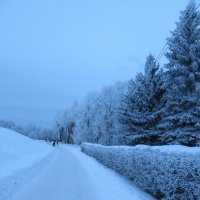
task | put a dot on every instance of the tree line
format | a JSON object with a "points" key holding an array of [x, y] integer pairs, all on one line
{"points": [[159, 106]]}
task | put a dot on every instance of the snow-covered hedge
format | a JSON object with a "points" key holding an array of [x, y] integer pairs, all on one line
{"points": [[169, 172]]}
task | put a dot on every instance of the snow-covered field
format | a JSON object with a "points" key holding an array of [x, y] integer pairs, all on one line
{"points": [[35, 171], [21, 160], [18, 152]]}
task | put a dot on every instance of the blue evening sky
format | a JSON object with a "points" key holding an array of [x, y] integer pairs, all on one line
{"points": [[53, 52]]}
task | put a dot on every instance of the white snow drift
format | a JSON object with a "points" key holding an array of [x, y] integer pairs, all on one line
{"points": [[18, 152]]}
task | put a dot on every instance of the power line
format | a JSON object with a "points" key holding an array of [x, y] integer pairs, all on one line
{"points": [[165, 47]]}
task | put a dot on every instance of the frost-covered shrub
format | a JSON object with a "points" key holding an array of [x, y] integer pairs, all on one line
{"points": [[164, 174]]}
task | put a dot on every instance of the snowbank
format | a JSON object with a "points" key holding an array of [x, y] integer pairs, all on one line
{"points": [[168, 172], [18, 152]]}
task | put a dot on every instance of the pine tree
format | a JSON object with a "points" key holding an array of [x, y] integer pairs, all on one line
{"points": [[182, 117], [141, 110]]}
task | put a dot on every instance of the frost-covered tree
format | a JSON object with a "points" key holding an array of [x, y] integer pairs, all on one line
{"points": [[65, 123], [86, 123], [109, 101], [181, 123], [142, 107], [96, 119]]}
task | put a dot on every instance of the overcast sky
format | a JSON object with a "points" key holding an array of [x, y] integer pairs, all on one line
{"points": [[53, 52]]}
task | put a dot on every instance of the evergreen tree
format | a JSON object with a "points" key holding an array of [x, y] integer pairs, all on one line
{"points": [[141, 110], [181, 122]]}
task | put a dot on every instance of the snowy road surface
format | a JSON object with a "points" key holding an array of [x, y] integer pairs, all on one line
{"points": [[73, 175]]}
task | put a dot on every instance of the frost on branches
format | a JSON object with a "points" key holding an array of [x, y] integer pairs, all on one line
{"points": [[181, 120], [142, 107]]}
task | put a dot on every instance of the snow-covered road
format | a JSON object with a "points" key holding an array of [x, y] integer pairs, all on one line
{"points": [[73, 175]]}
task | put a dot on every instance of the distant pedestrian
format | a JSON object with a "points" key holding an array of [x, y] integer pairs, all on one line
{"points": [[54, 143]]}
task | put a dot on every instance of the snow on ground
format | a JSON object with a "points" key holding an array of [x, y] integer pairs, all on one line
{"points": [[18, 152], [76, 176], [34, 170], [11, 185], [107, 184], [21, 160]]}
